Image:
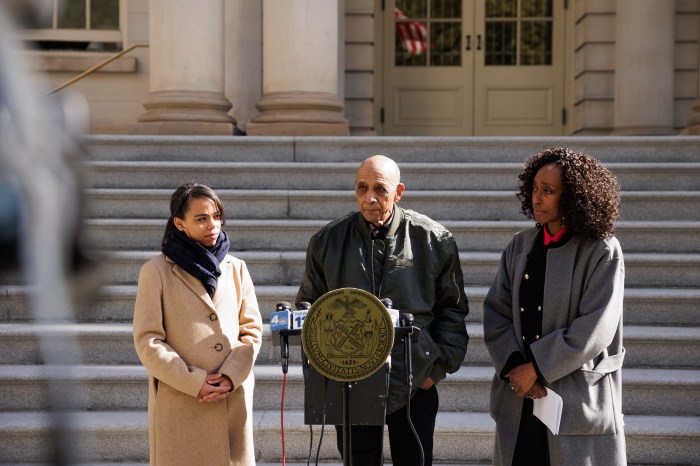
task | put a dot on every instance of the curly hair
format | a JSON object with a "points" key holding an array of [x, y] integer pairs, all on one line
{"points": [[590, 198]]}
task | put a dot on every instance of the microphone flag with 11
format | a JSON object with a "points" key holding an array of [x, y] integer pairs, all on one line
{"points": [[299, 315]]}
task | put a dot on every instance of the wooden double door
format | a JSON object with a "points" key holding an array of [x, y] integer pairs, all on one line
{"points": [[472, 67]]}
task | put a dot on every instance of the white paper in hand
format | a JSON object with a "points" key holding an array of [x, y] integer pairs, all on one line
{"points": [[548, 410]]}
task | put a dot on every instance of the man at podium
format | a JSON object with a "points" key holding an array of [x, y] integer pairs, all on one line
{"points": [[409, 258]]}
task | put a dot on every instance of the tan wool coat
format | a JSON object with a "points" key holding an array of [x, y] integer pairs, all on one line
{"points": [[181, 334]]}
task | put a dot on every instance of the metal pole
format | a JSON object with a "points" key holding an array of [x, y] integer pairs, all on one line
{"points": [[347, 422], [91, 70]]}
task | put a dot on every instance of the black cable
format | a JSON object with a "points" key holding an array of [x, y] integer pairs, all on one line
{"points": [[311, 444], [413, 429], [407, 320], [323, 421]]}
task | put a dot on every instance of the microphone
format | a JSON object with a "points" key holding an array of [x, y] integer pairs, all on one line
{"points": [[298, 321], [299, 315], [394, 313], [280, 320]]}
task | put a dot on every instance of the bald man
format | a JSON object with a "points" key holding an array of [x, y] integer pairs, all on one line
{"points": [[405, 256]]}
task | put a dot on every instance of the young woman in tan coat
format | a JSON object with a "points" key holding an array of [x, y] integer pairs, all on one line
{"points": [[198, 330]]}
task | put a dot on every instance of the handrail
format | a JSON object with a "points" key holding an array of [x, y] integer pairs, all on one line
{"points": [[96, 67]]}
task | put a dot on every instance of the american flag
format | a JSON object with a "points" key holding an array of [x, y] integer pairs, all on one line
{"points": [[412, 34]]}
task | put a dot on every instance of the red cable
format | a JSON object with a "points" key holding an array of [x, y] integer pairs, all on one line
{"points": [[284, 384]]}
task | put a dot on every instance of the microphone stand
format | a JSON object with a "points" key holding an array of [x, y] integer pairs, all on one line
{"points": [[284, 350], [347, 423], [409, 332], [284, 345]]}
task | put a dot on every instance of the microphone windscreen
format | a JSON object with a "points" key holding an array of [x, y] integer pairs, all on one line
{"points": [[387, 302], [304, 305], [281, 317]]}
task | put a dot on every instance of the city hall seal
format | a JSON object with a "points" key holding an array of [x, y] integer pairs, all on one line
{"points": [[347, 334]]}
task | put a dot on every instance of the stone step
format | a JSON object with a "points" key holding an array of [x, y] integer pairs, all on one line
{"points": [[341, 175], [293, 235], [114, 436], [125, 387], [86, 387], [669, 347], [643, 306], [286, 268], [644, 391], [112, 343], [315, 205], [122, 436], [304, 462], [609, 149]]}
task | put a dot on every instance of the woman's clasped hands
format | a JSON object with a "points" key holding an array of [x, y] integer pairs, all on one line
{"points": [[215, 387], [523, 381]]}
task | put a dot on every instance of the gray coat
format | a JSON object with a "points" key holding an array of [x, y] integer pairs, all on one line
{"points": [[579, 354]]}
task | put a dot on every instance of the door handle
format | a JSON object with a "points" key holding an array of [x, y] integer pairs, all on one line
{"points": [[478, 41], [469, 41]]}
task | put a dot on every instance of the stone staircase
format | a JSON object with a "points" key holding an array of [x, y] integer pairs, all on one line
{"points": [[277, 193]]}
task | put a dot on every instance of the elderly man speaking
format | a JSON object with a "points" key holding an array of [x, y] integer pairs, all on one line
{"points": [[405, 256]]}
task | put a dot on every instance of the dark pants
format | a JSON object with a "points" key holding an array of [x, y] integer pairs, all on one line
{"points": [[367, 441]]}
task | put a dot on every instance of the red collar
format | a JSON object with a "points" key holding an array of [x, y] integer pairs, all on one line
{"points": [[553, 239]]}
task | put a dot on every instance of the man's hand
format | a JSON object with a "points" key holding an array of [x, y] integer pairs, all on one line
{"points": [[215, 387], [427, 383]]}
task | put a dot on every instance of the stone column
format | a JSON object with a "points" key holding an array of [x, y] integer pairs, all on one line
{"points": [[243, 68], [300, 70], [644, 67], [186, 70], [693, 127]]}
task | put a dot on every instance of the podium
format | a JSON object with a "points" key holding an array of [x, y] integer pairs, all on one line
{"points": [[323, 398], [347, 338]]}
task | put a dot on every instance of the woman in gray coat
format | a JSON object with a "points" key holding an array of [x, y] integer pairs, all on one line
{"points": [[553, 318]]}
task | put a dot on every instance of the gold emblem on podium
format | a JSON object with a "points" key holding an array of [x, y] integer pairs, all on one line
{"points": [[347, 334]]}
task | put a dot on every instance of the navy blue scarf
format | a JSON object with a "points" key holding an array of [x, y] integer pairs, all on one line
{"points": [[200, 262]]}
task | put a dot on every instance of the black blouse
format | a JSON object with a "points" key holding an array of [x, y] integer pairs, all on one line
{"points": [[531, 294]]}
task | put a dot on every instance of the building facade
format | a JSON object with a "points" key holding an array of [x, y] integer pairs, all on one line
{"points": [[381, 67]]}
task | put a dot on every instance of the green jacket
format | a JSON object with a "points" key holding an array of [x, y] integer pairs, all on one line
{"points": [[417, 266]]}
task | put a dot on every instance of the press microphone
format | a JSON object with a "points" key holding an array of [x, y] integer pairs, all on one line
{"points": [[299, 315], [394, 313], [406, 319], [280, 318]]}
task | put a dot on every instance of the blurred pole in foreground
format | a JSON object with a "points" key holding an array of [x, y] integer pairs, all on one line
{"points": [[40, 220]]}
